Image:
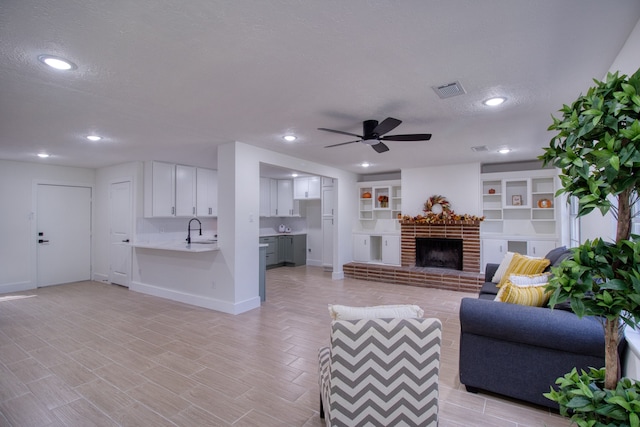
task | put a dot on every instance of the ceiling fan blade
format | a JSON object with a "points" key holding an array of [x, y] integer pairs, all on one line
{"points": [[410, 137], [342, 143], [380, 147], [386, 125], [340, 132]]}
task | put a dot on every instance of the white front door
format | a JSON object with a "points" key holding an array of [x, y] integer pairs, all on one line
{"points": [[120, 233], [63, 234]]}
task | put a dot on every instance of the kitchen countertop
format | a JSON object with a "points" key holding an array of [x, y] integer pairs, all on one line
{"points": [[179, 246], [293, 233]]}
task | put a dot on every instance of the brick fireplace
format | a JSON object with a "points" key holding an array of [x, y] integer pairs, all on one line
{"points": [[467, 231], [468, 279]]}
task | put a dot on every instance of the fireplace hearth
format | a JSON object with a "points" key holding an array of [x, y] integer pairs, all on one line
{"points": [[440, 253]]}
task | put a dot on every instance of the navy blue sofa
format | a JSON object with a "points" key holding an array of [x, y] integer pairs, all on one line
{"points": [[519, 351]]}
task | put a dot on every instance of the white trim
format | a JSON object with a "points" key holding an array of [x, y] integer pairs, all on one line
{"points": [[197, 300], [17, 287]]}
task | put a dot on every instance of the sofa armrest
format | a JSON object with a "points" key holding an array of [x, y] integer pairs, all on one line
{"points": [[489, 271], [536, 326]]}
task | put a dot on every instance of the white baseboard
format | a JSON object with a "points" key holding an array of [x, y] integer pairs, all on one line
{"points": [[197, 300], [17, 287], [99, 277]]}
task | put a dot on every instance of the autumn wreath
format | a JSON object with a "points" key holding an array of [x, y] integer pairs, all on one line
{"points": [[437, 200]]}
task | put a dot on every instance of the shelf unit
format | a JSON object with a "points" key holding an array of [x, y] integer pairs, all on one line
{"points": [[520, 210], [373, 208]]}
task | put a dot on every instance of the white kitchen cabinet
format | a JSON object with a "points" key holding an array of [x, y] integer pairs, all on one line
{"points": [[306, 187], [185, 190], [286, 205], [391, 250], [206, 192], [273, 197], [160, 191], [327, 201], [265, 196], [361, 248], [172, 190]]}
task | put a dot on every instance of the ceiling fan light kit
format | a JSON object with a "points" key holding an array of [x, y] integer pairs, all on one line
{"points": [[373, 134]]}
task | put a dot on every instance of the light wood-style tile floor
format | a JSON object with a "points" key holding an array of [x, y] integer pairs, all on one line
{"points": [[90, 353]]}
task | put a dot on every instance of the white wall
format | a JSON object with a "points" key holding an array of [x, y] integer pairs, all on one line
{"points": [[345, 189], [459, 184], [18, 217], [627, 62]]}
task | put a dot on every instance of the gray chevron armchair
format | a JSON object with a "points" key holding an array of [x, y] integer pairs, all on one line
{"points": [[381, 372]]}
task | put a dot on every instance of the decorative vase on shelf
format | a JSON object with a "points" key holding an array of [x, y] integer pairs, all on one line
{"points": [[384, 204]]}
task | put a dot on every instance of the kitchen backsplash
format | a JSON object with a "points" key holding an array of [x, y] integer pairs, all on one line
{"points": [[152, 230]]}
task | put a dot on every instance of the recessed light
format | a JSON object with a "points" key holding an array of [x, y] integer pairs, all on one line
{"points": [[57, 62], [365, 164], [504, 150], [289, 138], [294, 175], [43, 155], [494, 102], [94, 138]]}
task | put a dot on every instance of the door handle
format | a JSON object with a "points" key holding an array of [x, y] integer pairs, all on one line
{"points": [[42, 241], [125, 241]]}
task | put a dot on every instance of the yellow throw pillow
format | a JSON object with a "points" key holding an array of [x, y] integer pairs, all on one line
{"points": [[533, 295], [522, 264]]}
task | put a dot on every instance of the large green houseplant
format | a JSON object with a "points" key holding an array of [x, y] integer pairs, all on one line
{"points": [[597, 149]]}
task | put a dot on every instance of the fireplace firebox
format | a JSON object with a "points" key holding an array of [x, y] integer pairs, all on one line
{"points": [[440, 253]]}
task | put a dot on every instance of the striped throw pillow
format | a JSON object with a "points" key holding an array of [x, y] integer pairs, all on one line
{"points": [[533, 295], [522, 264]]}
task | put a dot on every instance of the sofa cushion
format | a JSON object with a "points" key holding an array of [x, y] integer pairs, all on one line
{"points": [[489, 288], [531, 295], [554, 254], [522, 264], [343, 312]]}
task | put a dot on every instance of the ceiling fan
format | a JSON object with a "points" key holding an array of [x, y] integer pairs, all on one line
{"points": [[373, 132]]}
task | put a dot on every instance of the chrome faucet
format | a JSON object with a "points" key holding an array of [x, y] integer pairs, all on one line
{"points": [[189, 229]]}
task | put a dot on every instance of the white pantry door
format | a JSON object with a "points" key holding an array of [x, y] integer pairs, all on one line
{"points": [[63, 234], [120, 233]]}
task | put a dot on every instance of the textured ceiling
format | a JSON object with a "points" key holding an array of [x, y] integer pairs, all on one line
{"points": [[170, 80]]}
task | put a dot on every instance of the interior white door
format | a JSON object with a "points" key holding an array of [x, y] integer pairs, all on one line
{"points": [[64, 234], [120, 233]]}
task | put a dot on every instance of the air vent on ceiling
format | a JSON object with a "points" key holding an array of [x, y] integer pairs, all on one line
{"points": [[449, 90], [480, 148]]}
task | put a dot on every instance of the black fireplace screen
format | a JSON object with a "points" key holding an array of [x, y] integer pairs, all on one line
{"points": [[442, 253]]}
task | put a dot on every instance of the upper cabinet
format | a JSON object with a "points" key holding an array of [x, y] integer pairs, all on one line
{"points": [[185, 190], [160, 189], [207, 192], [179, 191], [276, 198], [307, 187]]}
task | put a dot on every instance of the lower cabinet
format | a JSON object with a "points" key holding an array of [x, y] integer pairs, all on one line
{"points": [[289, 250], [391, 250], [272, 250], [383, 249], [493, 250], [361, 248]]}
